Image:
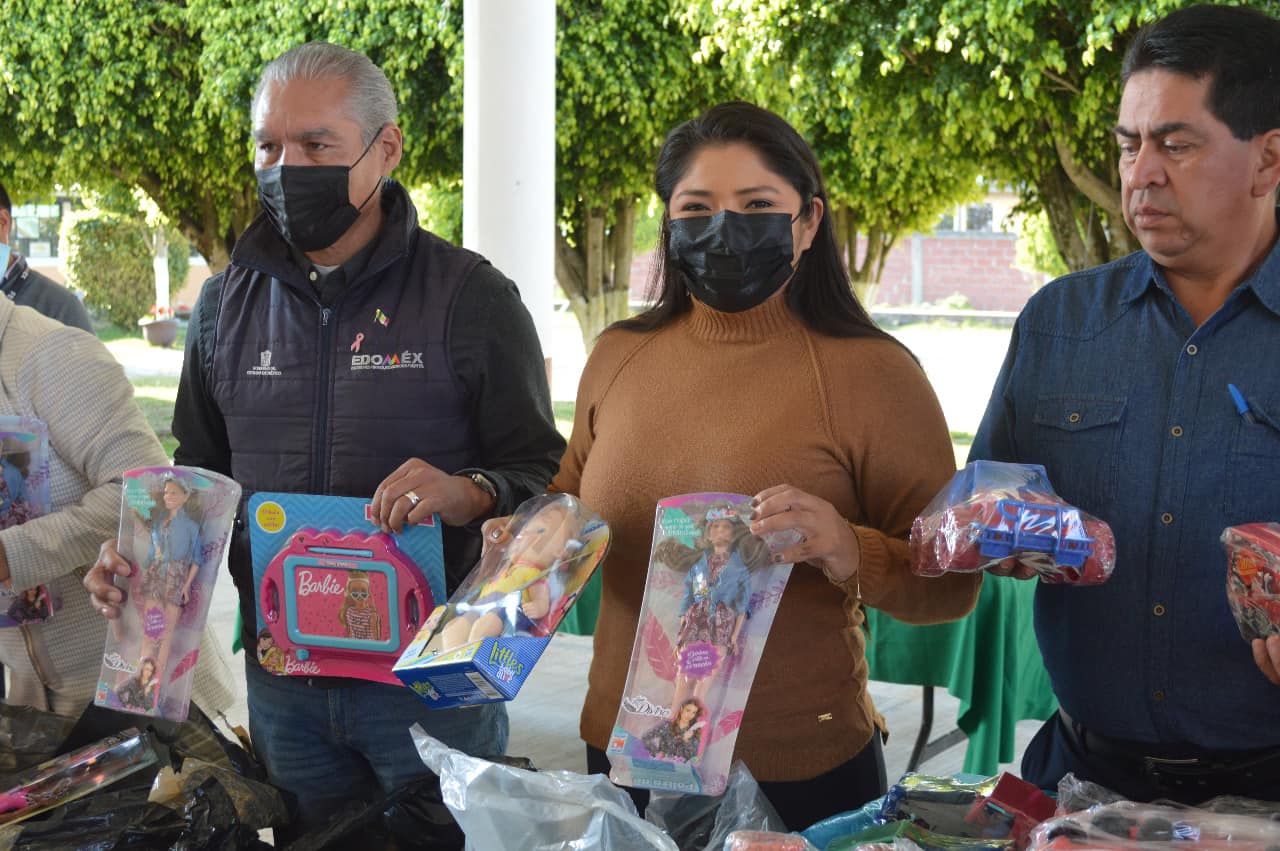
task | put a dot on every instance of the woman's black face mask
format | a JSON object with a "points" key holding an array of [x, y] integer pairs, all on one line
{"points": [[310, 205], [733, 261]]}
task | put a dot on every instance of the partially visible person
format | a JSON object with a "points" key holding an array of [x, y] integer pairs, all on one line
{"points": [[346, 351], [25, 286], [758, 372], [68, 380], [1118, 380]]}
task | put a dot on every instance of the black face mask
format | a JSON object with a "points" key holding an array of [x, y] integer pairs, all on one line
{"points": [[310, 205], [733, 261]]}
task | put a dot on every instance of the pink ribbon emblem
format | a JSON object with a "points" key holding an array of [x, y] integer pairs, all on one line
{"points": [[355, 347]]}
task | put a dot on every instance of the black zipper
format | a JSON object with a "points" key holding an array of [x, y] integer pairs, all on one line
{"points": [[321, 432]]}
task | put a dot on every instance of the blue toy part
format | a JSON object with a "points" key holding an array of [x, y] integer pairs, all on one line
{"points": [[1039, 528]]}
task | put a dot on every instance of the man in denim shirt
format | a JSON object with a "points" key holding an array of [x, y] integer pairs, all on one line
{"points": [[1116, 381]]}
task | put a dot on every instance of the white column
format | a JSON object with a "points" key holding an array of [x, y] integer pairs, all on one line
{"points": [[508, 144]]}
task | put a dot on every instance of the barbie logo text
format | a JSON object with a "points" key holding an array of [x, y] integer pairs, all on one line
{"points": [[293, 666], [641, 705], [308, 586]]}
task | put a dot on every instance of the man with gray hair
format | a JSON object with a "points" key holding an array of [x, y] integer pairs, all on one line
{"points": [[347, 351]]}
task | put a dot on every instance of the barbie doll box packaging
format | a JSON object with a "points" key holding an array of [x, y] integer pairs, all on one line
{"points": [[174, 527], [481, 646], [709, 600], [338, 597], [24, 495]]}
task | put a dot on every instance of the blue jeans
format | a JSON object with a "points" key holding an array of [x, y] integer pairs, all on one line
{"points": [[329, 746]]}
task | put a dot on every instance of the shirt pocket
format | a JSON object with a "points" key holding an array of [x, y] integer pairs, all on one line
{"points": [[1253, 466], [1077, 439]]}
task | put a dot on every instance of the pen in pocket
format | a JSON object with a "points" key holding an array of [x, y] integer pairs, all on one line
{"points": [[1241, 403]]}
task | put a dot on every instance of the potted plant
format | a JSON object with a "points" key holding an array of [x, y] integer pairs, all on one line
{"points": [[159, 326]]}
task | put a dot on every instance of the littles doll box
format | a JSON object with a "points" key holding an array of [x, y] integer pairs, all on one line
{"points": [[481, 646], [174, 527], [338, 597], [709, 600], [24, 495]]}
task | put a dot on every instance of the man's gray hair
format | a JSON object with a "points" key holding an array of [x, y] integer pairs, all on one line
{"points": [[370, 101]]}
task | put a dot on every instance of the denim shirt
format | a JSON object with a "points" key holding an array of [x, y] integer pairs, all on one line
{"points": [[731, 587], [179, 541], [1110, 385]]}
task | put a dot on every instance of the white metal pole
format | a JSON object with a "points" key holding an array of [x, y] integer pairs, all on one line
{"points": [[508, 143]]}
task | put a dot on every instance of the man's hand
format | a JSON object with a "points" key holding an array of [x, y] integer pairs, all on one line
{"points": [[1266, 654], [1013, 567], [103, 593], [416, 490]]}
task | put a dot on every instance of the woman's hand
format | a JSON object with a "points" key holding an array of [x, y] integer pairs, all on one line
{"points": [[103, 594], [826, 539]]}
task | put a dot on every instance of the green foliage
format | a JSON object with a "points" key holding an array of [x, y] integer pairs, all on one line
{"points": [[156, 94], [888, 169], [440, 208], [1037, 251], [625, 75], [107, 258]]}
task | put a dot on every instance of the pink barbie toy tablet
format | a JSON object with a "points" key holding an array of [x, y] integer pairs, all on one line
{"points": [[340, 605]]}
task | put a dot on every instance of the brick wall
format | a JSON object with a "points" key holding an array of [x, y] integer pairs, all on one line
{"points": [[978, 265]]}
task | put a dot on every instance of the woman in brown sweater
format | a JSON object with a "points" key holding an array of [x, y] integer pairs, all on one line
{"points": [[757, 371]]}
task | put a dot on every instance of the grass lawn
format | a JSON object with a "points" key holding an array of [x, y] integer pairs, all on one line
{"points": [[155, 396]]}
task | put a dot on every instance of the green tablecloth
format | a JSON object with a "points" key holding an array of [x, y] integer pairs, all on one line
{"points": [[989, 660], [581, 619]]}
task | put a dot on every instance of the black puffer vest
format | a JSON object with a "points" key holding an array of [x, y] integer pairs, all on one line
{"points": [[331, 400]]}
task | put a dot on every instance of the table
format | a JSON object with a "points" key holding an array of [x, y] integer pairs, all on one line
{"points": [[989, 660]]}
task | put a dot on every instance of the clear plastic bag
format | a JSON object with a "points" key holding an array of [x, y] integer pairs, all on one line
{"points": [[481, 646], [175, 523], [696, 822], [762, 840], [1127, 825], [904, 834], [844, 824], [1075, 794], [991, 511], [710, 596], [940, 804], [1253, 577], [499, 806]]}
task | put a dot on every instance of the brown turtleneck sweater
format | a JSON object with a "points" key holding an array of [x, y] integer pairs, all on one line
{"points": [[738, 402]]}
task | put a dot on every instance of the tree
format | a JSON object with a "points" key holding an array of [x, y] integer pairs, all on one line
{"points": [[888, 170], [156, 95], [625, 76], [1032, 88], [109, 249]]}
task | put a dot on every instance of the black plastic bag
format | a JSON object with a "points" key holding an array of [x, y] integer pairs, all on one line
{"points": [[212, 823], [29, 736], [195, 737], [412, 817]]}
